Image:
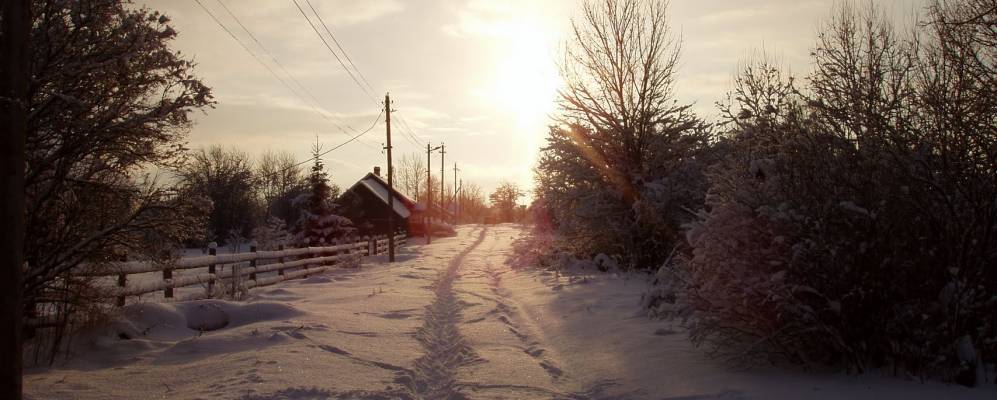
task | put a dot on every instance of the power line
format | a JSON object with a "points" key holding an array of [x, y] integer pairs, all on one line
{"points": [[345, 54], [372, 125], [408, 131], [265, 65], [244, 47], [408, 136], [327, 46], [323, 112]]}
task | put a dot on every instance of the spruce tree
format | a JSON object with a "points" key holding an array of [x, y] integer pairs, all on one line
{"points": [[319, 225]]}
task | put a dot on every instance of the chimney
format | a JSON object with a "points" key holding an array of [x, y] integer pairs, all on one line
{"points": [[377, 171]]}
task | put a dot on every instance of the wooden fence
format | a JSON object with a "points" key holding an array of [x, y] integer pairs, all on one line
{"points": [[245, 270]]}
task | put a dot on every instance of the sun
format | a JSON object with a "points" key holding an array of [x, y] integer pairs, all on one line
{"points": [[526, 78], [521, 82]]}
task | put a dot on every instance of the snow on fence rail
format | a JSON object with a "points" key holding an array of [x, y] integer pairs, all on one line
{"points": [[244, 272]]}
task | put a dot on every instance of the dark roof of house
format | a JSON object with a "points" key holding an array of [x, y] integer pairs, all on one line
{"points": [[377, 186]]}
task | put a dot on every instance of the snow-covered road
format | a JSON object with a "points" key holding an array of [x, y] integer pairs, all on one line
{"points": [[449, 320]]}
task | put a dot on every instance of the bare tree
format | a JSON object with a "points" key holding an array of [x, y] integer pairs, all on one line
{"points": [[619, 73], [226, 178], [411, 175], [277, 173], [473, 207], [505, 198]]}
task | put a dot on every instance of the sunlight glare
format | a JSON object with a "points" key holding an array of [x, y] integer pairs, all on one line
{"points": [[527, 79]]}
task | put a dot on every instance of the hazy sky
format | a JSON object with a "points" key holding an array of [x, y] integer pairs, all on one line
{"points": [[479, 75]]}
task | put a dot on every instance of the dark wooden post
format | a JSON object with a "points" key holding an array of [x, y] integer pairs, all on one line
{"points": [[252, 263], [168, 275], [212, 250], [280, 260], [305, 266], [122, 281]]}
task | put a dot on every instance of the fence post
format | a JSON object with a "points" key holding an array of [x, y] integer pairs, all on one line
{"points": [[235, 279], [359, 257], [280, 260], [122, 281], [212, 251], [306, 256], [168, 275], [372, 246], [252, 263], [347, 242]]}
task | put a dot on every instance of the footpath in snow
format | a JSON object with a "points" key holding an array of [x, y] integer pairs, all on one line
{"points": [[449, 320]]}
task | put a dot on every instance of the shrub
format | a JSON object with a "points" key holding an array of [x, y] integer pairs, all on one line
{"points": [[854, 223]]}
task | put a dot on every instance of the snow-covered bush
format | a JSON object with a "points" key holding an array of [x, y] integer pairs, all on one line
{"points": [[272, 234], [854, 222]]}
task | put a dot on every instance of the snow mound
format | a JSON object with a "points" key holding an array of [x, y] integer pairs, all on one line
{"points": [[206, 317], [212, 312], [173, 322], [178, 332]]}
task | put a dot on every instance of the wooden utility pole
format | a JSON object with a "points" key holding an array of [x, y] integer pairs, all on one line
{"points": [[455, 189], [443, 191], [15, 30], [391, 186], [458, 198], [429, 197], [427, 226]]}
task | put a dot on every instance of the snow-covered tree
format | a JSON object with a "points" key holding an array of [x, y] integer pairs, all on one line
{"points": [[109, 101], [318, 224], [622, 162]]}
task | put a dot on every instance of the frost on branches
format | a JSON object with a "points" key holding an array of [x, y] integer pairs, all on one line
{"points": [[109, 100], [852, 222], [622, 166], [272, 234]]}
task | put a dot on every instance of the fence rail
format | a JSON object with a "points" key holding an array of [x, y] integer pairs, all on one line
{"points": [[245, 269]]}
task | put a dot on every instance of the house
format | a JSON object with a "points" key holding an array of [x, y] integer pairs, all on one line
{"points": [[366, 204]]}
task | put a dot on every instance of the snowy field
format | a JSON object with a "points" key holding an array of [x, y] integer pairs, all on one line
{"points": [[450, 320]]}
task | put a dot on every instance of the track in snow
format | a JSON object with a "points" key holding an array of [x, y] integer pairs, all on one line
{"points": [[445, 350]]}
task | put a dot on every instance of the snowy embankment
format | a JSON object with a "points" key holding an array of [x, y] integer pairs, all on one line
{"points": [[602, 338], [449, 320]]}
